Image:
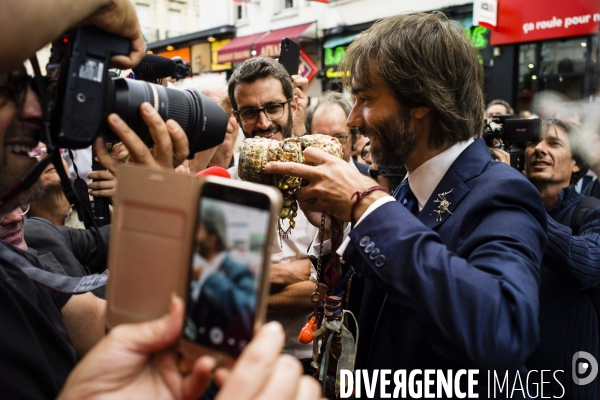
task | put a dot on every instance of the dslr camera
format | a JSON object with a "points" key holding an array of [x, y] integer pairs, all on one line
{"points": [[510, 134], [80, 95]]}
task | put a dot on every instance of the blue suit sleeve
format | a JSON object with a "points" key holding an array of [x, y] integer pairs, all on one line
{"points": [[478, 300], [575, 258]]}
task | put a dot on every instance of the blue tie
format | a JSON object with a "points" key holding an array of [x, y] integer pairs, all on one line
{"points": [[404, 195]]}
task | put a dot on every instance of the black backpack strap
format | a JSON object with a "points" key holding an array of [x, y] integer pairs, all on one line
{"points": [[589, 188], [584, 208]]}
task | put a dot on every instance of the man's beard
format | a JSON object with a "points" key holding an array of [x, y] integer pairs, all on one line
{"points": [[286, 130], [204, 249], [28, 196], [10, 174], [397, 141], [545, 180]]}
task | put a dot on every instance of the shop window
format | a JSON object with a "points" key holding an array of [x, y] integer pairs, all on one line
{"points": [[563, 56], [527, 71], [594, 69], [562, 66]]}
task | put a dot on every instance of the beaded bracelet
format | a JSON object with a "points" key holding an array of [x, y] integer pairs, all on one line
{"points": [[359, 197]]}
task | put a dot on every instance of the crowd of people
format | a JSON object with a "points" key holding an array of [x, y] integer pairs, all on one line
{"points": [[452, 259]]}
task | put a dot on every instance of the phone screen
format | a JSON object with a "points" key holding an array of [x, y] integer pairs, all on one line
{"points": [[226, 269]]}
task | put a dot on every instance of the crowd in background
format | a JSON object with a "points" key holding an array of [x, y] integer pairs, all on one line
{"points": [[449, 256]]}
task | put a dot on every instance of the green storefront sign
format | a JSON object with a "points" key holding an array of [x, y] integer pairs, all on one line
{"points": [[333, 55]]}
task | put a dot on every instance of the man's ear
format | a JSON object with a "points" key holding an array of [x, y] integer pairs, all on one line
{"points": [[576, 168], [419, 112]]}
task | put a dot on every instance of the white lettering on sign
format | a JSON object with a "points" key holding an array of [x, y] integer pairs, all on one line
{"points": [[270, 50], [559, 23]]}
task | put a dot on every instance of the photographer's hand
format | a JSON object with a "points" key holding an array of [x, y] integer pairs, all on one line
{"points": [[53, 17], [118, 16], [136, 361], [300, 88], [170, 142], [104, 184], [500, 154]]}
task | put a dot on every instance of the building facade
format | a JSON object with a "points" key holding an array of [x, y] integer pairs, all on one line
{"points": [[517, 64]]}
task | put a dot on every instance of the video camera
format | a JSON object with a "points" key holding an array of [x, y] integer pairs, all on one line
{"points": [[510, 134], [80, 96], [182, 69]]}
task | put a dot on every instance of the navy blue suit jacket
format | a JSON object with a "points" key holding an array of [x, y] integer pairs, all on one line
{"points": [[458, 290], [362, 168]]}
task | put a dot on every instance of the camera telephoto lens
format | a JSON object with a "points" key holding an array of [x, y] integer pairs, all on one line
{"points": [[203, 120]]}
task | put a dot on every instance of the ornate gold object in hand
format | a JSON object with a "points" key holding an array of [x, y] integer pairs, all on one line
{"points": [[257, 152]]}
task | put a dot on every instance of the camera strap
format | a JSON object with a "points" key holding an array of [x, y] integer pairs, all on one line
{"points": [[64, 283], [39, 273], [79, 200]]}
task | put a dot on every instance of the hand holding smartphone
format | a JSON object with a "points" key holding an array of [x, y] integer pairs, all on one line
{"points": [[228, 280], [207, 240]]}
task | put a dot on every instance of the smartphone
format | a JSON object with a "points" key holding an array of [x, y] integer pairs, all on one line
{"points": [[289, 56], [229, 273], [150, 244]]}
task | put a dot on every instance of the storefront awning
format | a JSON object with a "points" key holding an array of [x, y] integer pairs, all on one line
{"points": [[265, 43], [239, 48], [269, 45]]}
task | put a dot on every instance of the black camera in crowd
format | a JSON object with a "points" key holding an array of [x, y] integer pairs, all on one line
{"points": [[81, 95], [182, 69], [510, 134]]}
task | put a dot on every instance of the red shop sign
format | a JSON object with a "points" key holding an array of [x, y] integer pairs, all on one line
{"points": [[533, 20]]}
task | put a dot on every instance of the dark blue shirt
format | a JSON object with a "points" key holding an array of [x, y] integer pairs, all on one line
{"points": [[568, 318]]}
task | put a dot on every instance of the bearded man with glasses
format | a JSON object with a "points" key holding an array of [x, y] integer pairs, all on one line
{"points": [[263, 100]]}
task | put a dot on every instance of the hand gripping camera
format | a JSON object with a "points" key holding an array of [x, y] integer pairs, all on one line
{"points": [[80, 96]]}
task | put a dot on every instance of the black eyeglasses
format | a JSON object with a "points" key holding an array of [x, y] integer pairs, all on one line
{"points": [[341, 138], [366, 151], [21, 211], [14, 86], [272, 111]]}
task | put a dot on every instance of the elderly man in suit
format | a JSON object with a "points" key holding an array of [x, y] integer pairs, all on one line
{"points": [[452, 282], [328, 117]]}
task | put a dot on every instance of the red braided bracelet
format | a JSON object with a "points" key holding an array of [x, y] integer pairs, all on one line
{"points": [[359, 197]]}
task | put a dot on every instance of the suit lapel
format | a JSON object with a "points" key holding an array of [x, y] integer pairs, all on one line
{"points": [[452, 188], [444, 199]]}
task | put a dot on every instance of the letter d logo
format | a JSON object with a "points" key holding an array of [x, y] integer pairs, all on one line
{"points": [[583, 367]]}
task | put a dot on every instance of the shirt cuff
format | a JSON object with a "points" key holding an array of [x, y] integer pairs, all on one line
{"points": [[376, 204]]}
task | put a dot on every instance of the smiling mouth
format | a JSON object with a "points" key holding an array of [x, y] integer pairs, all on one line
{"points": [[13, 237], [540, 164], [20, 149], [268, 135]]}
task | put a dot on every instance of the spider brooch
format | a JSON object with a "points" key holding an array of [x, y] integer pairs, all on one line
{"points": [[444, 205]]}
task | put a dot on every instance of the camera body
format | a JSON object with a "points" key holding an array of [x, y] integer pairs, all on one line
{"points": [[182, 69], [510, 134], [81, 95]]}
